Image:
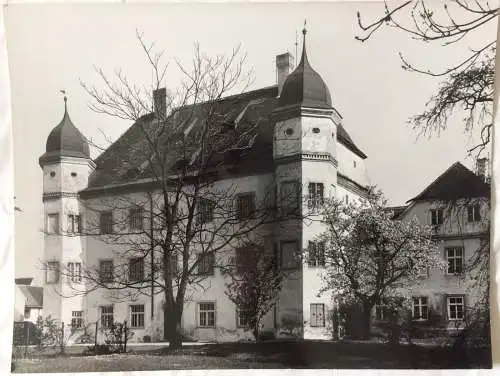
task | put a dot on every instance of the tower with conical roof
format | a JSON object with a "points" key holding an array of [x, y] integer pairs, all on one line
{"points": [[305, 155], [66, 166]]}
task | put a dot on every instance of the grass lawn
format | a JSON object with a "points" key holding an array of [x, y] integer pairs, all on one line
{"points": [[272, 354]]}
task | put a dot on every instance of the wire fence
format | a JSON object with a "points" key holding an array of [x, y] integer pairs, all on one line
{"points": [[52, 336]]}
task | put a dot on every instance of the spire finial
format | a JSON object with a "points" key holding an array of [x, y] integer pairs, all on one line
{"points": [[303, 59], [65, 100]]}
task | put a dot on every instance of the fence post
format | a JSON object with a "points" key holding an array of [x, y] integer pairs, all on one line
{"points": [[61, 344], [27, 341], [95, 335], [125, 340]]}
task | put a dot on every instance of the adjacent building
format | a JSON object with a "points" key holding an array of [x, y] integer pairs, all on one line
{"points": [[28, 301]]}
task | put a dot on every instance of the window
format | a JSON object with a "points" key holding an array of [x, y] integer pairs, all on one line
{"points": [[53, 224], [316, 253], [206, 315], [106, 222], [316, 192], [290, 197], [206, 264], [106, 270], [74, 224], [436, 217], [241, 318], [317, 315], [245, 206], [206, 210], [136, 269], [245, 259], [75, 271], [289, 254], [456, 307], [135, 218], [455, 258], [137, 316], [420, 308], [52, 272], [107, 319], [474, 213], [76, 319], [27, 313]]}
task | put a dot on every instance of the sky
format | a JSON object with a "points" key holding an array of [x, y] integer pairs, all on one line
{"points": [[57, 46]]}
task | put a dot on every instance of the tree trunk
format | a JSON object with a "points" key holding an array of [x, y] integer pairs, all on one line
{"points": [[172, 327], [366, 321]]}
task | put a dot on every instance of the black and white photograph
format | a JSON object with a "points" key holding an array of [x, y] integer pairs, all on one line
{"points": [[251, 185]]}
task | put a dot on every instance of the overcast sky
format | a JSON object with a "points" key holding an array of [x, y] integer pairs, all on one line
{"points": [[54, 47]]}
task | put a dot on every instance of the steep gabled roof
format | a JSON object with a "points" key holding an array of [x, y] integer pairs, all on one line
{"points": [[125, 161], [455, 183]]}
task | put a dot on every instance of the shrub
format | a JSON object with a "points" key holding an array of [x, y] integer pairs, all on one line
{"points": [[98, 350], [267, 335]]}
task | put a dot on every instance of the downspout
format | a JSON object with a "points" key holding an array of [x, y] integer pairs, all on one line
{"points": [[151, 228]]}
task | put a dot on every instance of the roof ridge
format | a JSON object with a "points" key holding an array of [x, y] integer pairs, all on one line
{"points": [[440, 177]]}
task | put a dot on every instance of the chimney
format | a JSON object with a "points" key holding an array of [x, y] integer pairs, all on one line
{"points": [[284, 65], [482, 167], [160, 102]]}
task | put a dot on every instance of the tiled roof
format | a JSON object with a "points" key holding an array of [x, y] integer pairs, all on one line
{"points": [[125, 161], [455, 183], [33, 295]]}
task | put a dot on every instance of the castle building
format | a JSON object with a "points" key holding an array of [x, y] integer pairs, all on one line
{"points": [[96, 210], [301, 146]]}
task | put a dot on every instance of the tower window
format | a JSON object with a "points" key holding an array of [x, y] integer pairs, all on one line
{"points": [[73, 174], [316, 193], [52, 174], [316, 130], [75, 271], [316, 254], [52, 272], [290, 197], [74, 224], [53, 223]]}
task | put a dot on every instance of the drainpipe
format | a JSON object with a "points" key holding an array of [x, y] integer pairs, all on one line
{"points": [[151, 224]]}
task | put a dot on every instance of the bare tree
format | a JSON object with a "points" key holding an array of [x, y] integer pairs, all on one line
{"points": [[184, 147], [370, 257], [468, 85]]}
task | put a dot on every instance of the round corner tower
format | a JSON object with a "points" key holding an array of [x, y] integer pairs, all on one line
{"points": [[66, 166]]}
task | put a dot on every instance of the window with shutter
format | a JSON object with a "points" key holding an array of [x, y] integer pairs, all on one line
{"points": [[317, 312]]}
